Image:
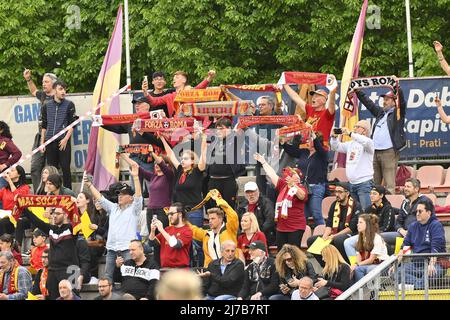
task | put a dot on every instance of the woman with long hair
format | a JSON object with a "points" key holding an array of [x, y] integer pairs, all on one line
{"points": [[290, 206], [335, 275], [371, 247], [250, 233], [85, 203], [189, 179], [9, 153], [7, 243], [48, 170], [292, 265], [16, 185]]}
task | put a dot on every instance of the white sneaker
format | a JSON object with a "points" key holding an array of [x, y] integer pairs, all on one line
{"points": [[93, 280], [408, 287]]}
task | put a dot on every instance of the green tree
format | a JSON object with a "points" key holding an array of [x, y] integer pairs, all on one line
{"points": [[246, 41]]}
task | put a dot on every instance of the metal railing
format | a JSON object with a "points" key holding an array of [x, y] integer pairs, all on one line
{"points": [[408, 280]]}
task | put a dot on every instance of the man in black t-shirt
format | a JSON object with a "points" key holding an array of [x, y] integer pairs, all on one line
{"points": [[159, 85], [44, 95]]}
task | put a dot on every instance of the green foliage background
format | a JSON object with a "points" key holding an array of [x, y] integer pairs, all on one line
{"points": [[246, 41]]}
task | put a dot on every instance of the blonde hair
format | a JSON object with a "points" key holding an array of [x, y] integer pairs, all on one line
{"points": [[193, 156], [254, 226], [179, 285], [299, 259], [333, 259]]}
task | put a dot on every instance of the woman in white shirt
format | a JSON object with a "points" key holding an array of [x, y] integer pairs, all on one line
{"points": [[371, 248]]}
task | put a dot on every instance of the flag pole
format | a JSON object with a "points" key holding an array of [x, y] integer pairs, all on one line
{"points": [[127, 44], [408, 28]]}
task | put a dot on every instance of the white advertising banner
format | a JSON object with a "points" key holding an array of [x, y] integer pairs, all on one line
{"points": [[22, 113]]}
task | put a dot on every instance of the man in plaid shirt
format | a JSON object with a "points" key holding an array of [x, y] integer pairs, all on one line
{"points": [[15, 280]]}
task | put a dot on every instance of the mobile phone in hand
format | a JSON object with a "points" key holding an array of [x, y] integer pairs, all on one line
{"points": [[337, 131]]}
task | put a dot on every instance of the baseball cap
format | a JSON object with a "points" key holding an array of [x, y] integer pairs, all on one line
{"points": [[390, 94], [320, 92], [257, 245], [139, 100], [250, 186], [380, 189], [344, 185], [125, 189]]}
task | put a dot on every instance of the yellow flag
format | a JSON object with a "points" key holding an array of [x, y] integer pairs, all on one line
{"points": [[352, 260], [318, 245], [398, 244], [31, 296], [84, 226], [39, 212]]}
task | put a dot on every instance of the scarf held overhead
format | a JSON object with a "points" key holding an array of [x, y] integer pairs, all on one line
{"points": [[199, 95], [373, 82], [118, 119], [217, 108], [156, 125], [311, 78], [245, 122], [142, 149], [64, 202]]}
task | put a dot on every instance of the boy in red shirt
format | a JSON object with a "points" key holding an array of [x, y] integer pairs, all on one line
{"points": [[39, 239]]}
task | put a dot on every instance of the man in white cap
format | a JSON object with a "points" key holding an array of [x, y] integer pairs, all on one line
{"points": [[359, 160], [388, 135], [262, 207]]}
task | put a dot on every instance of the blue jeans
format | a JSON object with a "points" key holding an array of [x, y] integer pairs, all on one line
{"points": [[313, 207], [196, 218], [350, 246], [280, 297], [361, 192], [111, 256], [221, 297], [361, 271], [414, 273]]}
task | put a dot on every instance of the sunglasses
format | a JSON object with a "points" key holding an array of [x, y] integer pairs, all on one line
{"points": [[288, 260]]}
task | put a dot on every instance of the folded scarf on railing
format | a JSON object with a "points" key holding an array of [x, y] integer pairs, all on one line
{"points": [[321, 79], [245, 122], [117, 119], [64, 202], [199, 95], [217, 108]]}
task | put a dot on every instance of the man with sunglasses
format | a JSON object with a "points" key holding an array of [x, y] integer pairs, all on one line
{"points": [[426, 235], [359, 160], [175, 240], [63, 250]]}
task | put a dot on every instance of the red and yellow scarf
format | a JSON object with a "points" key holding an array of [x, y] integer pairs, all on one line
{"points": [[43, 282], [13, 279], [245, 122], [217, 108], [337, 215]]}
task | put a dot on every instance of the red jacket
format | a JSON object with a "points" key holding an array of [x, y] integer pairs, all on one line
{"points": [[7, 197], [9, 153], [36, 257], [169, 99]]}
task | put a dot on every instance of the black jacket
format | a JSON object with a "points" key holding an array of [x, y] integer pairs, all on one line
{"points": [[386, 215], [139, 281], [341, 279], [230, 282], [407, 213], [84, 257], [260, 278], [309, 272], [232, 144], [63, 249], [396, 127], [264, 212]]}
